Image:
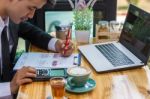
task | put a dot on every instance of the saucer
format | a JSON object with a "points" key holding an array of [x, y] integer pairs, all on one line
{"points": [[90, 84]]}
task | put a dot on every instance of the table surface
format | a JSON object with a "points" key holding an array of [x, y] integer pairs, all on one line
{"points": [[127, 84]]}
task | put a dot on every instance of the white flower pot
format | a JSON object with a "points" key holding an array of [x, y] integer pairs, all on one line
{"points": [[82, 36]]}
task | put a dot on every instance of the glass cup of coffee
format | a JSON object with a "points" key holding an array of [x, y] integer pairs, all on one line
{"points": [[58, 87], [61, 31], [103, 30], [115, 26], [78, 76], [103, 26]]}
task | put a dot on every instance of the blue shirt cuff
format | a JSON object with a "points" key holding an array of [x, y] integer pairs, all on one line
{"points": [[5, 89]]}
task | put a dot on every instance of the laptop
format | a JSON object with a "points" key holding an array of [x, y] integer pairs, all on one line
{"points": [[130, 51]]}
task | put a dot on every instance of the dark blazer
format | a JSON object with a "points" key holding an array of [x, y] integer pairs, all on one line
{"points": [[28, 32]]}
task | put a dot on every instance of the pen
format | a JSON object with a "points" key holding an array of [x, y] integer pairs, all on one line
{"points": [[67, 40]]}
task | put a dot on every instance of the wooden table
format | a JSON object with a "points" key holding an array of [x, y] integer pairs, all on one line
{"points": [[127, 84]]}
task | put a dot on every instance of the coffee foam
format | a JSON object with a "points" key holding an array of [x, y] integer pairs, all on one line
{"points": [[78, 71]]}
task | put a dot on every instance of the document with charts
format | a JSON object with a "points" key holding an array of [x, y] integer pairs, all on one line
{"points": [[50, 60]]}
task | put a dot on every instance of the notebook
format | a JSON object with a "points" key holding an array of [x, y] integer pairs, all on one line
{"points": [[132, 50]]}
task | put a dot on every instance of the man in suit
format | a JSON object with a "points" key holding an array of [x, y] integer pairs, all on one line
{"points": [[13, 14]]}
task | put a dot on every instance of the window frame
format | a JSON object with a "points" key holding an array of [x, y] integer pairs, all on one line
{"points": [[107, 7]]}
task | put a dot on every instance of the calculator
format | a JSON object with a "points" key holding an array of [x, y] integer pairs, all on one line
{"points": [[43, 74]]}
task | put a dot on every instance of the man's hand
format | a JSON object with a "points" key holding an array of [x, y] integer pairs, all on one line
{"points": [[60, 47], [22, 76]]}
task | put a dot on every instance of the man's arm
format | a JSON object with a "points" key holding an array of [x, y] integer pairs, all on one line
{"points": [[21, 77], [34, 34], [41, 39]]}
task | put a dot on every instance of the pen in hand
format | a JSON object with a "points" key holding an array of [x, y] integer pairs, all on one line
{"points": [[67, 41]]}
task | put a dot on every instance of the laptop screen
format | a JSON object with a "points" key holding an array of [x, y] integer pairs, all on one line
{"points": [[136, 33]]}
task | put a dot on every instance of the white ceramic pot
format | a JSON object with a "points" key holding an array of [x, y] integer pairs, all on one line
{"points": [[82, 36]]}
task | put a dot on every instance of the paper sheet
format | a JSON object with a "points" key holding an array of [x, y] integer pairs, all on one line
{"points": [[50, 60]]}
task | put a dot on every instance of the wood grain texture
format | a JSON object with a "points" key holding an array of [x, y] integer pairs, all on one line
{"points": [[134, 80]]}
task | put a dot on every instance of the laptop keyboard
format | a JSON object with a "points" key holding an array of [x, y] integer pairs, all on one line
{"points": [[114, 55]]}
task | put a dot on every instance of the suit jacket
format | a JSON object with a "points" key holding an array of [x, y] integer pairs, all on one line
{"points": [[28, 32]]}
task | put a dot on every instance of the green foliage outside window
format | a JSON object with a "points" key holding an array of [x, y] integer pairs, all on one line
{"points": [[133, 1]]}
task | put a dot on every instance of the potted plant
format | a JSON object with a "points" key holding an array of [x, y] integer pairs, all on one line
{"points": [[83, 24], [82, 19]]}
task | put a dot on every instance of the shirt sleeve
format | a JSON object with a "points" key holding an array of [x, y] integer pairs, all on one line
{"points": [[5, 89], [51, 44]]}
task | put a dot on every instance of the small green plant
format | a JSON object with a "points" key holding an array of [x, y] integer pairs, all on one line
{"points": [[82, 13], [83, 19]]}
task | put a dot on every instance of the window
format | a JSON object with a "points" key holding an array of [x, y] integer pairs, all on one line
{"points": [[53, 18], [102, 10]]}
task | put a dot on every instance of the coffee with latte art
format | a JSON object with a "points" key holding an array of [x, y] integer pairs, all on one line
{"points": [[78, 71]]}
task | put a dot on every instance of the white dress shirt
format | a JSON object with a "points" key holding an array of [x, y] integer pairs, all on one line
{"points": [[5, 87]]}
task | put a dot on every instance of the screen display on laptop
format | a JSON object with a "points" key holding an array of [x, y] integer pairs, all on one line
{"points": [[136, 32]]}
